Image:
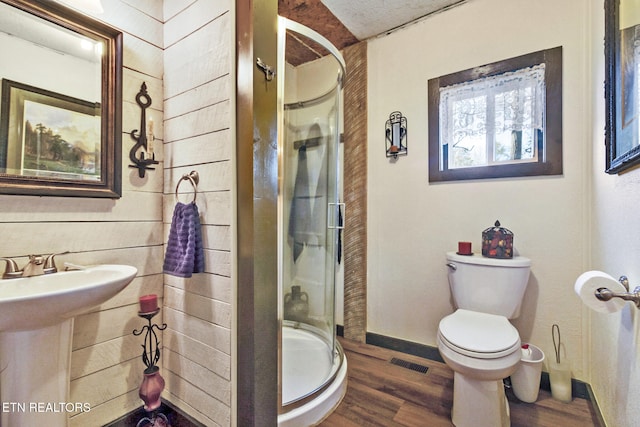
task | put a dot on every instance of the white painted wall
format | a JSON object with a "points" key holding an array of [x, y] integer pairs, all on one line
{"points": [[612, 340], [412, 223]]}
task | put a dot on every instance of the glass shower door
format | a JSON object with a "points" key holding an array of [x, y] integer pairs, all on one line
{"points": [[309, 224], [313, 219]]}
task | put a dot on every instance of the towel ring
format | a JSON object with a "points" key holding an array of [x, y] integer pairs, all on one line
{"points": [[194, 178]]}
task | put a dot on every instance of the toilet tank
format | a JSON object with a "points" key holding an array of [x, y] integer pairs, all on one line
{"points": [[488, 285]]}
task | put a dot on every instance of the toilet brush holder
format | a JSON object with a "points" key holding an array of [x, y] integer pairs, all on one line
{"points": [[560, 380], [559, 370]]}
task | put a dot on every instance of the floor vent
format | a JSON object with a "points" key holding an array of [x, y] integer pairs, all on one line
{"points": [[410, 365]]}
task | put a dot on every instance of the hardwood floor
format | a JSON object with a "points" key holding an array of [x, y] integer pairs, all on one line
{"points": [[380, 393]]}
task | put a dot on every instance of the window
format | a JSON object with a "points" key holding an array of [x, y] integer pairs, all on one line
{"points": [[499, 120]]}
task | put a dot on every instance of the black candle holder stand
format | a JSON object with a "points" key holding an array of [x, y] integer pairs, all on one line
{"points": [[151, 349], [150, 357]]}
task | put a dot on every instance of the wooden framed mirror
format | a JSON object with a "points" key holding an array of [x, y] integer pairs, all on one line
{"points": [[61, 102], [622, 84]]}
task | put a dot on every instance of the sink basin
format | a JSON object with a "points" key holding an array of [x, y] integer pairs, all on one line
{"points": [[35, 302], [36, 333]]}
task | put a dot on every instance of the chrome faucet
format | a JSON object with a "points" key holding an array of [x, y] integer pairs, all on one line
{"points": [[37, 266]]}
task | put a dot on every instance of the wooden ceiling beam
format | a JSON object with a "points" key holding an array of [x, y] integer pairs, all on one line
{"points": [[315, 15]]}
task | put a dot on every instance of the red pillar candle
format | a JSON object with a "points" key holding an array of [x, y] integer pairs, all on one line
{"points": [[464, 248], [148, 303]]}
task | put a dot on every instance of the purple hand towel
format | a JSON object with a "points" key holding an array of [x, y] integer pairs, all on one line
{"points": [[185, 254]]}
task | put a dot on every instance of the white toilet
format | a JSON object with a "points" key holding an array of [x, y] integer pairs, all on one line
{"points": [[477, 341]]}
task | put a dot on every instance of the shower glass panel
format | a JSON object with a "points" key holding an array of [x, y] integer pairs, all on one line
{"points": [[310, 219]]}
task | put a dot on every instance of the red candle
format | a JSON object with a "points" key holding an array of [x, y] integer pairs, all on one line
{"points": [[464, 248], [148, 303]]}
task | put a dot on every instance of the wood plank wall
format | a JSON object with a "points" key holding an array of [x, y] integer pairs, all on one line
{"points": [[192, 53], [106, 369], [197, 123]]}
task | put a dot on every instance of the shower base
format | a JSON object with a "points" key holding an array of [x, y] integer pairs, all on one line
{"points": [[313, 385]]}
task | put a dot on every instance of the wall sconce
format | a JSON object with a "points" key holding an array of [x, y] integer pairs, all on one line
{"points": [[144, 140], [396, 135]]}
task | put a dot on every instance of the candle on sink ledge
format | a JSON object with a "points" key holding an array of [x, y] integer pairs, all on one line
{"points": [[148, 303]]}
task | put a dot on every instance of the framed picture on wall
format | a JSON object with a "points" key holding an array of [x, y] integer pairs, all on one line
{"points": [[49, 135], [622, 85]]}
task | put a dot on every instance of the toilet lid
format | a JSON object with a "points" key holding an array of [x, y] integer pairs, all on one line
{"points": [[479, 332]]}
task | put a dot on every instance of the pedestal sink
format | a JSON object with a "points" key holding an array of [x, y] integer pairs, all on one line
{"points": [[36, 329]]}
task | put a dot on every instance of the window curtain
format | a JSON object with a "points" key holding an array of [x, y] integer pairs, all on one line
{"points": [[512, 101]]}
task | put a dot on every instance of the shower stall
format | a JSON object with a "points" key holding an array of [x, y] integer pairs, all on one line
{"points": [[312, 366]]}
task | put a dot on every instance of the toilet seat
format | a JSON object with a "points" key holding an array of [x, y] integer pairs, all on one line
{"points": [[479, 335]]}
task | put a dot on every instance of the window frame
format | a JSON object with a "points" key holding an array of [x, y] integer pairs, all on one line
{"points": [[549, 156]]}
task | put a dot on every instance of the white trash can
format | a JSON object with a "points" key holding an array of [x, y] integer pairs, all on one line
{"points": [[526, 379]]}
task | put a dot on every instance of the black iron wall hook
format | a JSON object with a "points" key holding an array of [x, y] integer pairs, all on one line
{"points": [[144, 142]]}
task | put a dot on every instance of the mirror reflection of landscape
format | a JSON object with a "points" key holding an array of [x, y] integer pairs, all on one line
{"points": [[48, 134], [59, 127]]}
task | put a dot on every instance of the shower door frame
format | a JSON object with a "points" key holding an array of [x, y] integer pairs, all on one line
{"points": [[285, 24], [255, 360]]}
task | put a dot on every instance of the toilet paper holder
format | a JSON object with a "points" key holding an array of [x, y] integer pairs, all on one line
{"points": [[605, 294]]}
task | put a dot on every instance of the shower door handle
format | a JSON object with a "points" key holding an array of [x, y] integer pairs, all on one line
{"points": [[335, 221]]}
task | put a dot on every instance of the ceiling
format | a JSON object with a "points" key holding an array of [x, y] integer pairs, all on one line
{"points": [[346, 22], [23, 27]]}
